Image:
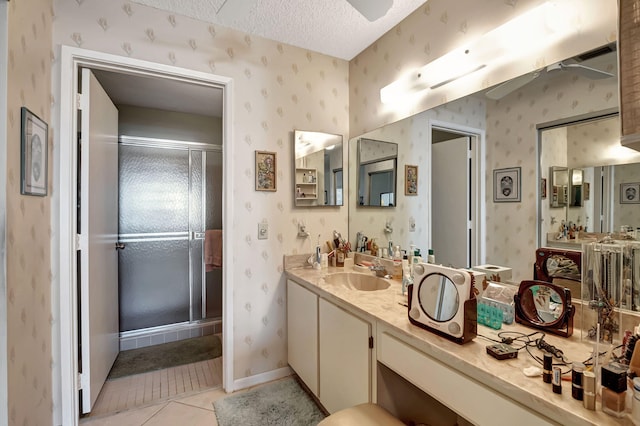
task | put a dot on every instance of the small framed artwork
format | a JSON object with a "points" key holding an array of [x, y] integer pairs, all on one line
{"points": [[410, 180], [506, 185], [266, 171], [543, 188], [33, 170], [630, 193], [586, 190]]}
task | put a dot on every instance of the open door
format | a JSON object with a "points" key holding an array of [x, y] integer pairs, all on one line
{"points": [[98, 290]]}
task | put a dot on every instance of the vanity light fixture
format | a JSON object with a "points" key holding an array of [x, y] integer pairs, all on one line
{"points": [[530, 32]]}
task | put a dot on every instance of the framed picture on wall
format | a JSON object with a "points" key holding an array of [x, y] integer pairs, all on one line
{"points": [[410, 180], [630, 193], [506, 185], [266, 171], [586, 190], [33, 167], [543, 188]]}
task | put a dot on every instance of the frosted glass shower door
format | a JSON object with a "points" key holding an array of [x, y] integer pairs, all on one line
{"points": [[154, 225]]}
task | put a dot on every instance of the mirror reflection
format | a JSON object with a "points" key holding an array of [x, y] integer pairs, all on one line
{"points": [[559, 181], [596, 167], [438, 297], [318, 174], [377, 173], [542, 305]]}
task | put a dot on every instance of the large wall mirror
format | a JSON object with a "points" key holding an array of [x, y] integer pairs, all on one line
{"points": [[318, 169], [554, 95], [377, 170]]}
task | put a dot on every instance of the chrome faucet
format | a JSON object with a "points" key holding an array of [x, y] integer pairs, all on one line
{"points": [[378, 268]]}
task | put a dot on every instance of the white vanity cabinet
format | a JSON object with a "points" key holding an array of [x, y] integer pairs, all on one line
{"points": [[345, 358], [302, 332], [329, 349]]}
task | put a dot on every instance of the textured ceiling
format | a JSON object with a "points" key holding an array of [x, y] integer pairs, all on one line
{"points": [[332, 27]]}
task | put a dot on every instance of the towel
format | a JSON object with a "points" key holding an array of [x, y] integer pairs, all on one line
{"points": [[212, 249]]}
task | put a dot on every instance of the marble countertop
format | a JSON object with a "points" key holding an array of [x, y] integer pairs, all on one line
{"points": [[471, 359]]}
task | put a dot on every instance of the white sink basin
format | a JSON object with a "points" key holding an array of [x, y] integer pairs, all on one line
{"points": [[357, 281]]}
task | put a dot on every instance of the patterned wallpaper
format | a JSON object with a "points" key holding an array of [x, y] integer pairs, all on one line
{"points": [[278, 88], [28, 222]]}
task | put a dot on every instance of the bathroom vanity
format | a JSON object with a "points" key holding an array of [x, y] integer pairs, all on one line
{"points": [[341, 339]]}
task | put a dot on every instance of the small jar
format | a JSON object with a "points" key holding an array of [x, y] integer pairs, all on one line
{"points": [[589, 388], [577, 370], [614, 389]]}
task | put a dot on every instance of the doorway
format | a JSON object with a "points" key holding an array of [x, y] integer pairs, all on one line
{"points": [[457, 194], [72, 59]]}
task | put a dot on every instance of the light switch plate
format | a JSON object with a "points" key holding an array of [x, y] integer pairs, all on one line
{"points": [[412, 225], [263, 231]]}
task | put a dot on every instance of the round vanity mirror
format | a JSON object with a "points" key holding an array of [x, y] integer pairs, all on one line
{"points": [[438, 297], [542, 305], [545, 305]]}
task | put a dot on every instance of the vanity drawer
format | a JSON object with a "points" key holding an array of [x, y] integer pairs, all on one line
{"points": [[465, 396]]}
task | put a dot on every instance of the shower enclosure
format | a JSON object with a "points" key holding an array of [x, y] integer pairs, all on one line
{"points": [[170, 193]]}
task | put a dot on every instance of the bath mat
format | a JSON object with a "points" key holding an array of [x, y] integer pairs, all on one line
{"points": [[281, 403], [151, 358]]}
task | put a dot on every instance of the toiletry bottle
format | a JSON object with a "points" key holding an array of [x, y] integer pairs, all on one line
{"points": [[374, 247], [431, 258], [589, 388], [339, 258], [614, 389], [546, 368], [556, 380], [397, 264], [577, 371]]}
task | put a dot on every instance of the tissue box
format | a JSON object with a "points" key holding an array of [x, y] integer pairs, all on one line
{"points": [[494, 272], [479, 282]]}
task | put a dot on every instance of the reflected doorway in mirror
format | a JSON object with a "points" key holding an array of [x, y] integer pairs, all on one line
{"points": [[506, 185]]}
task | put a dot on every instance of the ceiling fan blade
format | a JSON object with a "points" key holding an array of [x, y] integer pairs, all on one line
{"points": [[507, 87], [588, 72], [372, 9], [232, 10]]}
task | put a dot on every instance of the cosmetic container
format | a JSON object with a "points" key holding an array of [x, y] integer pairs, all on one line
{"points": [[556, 380], [614, 389], [635, 405], [546, 368], [577, 391], [589, 388]]}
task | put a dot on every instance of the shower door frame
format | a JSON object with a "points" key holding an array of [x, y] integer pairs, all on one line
{"points": [[189, 147], [64, 302]]}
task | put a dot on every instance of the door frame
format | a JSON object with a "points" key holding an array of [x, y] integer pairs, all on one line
{"points": [[65, 330], [478, 198], [4, 56]]}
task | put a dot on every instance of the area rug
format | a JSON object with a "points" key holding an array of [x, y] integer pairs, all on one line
{"points": [[172, 354], [282, 403]]}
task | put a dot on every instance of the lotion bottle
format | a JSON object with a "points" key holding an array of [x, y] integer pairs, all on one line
{"points": [[397, 264]]}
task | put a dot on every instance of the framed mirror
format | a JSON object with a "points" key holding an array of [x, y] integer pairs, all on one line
{"points": [[318, 169], [559, 183], [546, 306], [377, 173], [576, 180]]}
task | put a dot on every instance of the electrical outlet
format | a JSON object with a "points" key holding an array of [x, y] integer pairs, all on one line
{"points": [[412, 225], [263, 231]]}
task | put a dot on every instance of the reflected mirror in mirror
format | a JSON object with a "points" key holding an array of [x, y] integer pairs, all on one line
{"points": [[438, 297], [318, 173], [542, 304], [590, 150], [377, 173], [575, 183], [559, 181]]}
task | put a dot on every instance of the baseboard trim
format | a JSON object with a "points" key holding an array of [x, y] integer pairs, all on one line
{"points": [[261, 378]]}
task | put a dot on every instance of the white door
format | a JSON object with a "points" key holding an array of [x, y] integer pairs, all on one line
{"points": [[99, 233], [450, 202]]}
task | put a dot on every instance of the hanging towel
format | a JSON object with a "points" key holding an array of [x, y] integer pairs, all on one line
{"points": [[212, 249]]}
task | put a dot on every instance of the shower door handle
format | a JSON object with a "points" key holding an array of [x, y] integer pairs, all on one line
{"points": [[197, 235], [120, 246]]}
